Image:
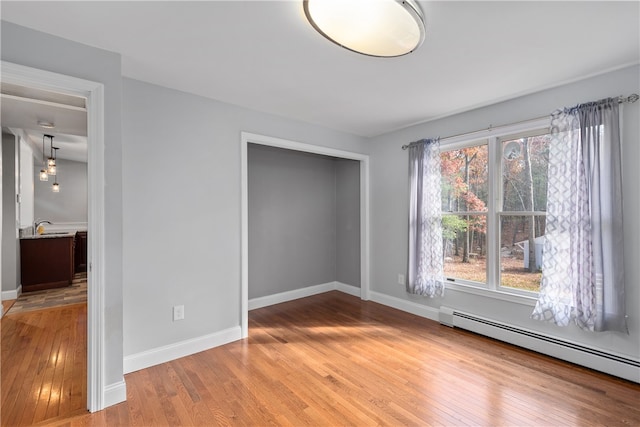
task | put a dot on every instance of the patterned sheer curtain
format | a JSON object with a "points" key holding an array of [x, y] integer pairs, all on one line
{"points": [[425, 223], [582, 267]]}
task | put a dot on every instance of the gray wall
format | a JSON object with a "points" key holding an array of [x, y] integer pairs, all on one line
{"points": [[23, 46], [390, 203], [348, 222], [70, 204], [292, 220], [10, 243], [182, 224], [182, 227], [304, 220]]}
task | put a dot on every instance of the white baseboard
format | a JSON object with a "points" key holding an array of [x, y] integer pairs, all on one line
{"points": [[302, 293], [180, 349], [268, 300], [6, 295], [115, 393], [404, 305], [348, 289]]}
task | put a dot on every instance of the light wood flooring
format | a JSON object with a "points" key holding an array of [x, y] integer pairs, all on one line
{"points": [[333, 359], [44, 364]]}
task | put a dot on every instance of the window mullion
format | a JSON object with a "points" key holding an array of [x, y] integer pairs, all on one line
{"points": [[495, 195]]}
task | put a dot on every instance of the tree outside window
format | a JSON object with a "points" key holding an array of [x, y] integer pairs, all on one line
{"points": [[518, 183]]}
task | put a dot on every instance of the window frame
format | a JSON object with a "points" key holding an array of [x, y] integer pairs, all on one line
{"points": [[493, 137]]}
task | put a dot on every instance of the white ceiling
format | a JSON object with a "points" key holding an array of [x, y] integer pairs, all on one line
{"points": [[265, 56], [23, 110]]}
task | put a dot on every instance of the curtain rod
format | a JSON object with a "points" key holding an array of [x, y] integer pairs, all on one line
{"points": [[621, 100]]}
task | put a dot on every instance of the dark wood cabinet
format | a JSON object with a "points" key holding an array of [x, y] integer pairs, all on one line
{"points": [[46, 262], [81, 252]]}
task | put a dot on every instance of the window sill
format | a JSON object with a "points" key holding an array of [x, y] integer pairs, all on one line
{"points": [[489, 293]]}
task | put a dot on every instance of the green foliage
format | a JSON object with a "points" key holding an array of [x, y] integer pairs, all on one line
{"points": [[452, 225]]}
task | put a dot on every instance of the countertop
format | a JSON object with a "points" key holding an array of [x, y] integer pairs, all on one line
{"points": [[50, 235]]}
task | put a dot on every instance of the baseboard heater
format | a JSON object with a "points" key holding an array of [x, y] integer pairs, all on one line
{"points": [[607, 362]]}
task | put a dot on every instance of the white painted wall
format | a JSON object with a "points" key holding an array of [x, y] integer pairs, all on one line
{"points": [[390, 204], [31, 48], [10, 242], [26, 184], [181, 210], [1, 219]]}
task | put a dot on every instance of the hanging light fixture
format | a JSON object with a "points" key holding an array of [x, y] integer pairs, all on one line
{"points": [[49, 165], [56, 187], [44, 176], [51, 161], [384, 28]]}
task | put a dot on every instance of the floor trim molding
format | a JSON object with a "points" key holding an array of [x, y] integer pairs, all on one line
{"points": [[167, 353], [281, 297], [115, 393], [404, 305], [14, 294]]}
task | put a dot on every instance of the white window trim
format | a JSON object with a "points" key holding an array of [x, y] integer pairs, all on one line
{"points": [[492, 288]]}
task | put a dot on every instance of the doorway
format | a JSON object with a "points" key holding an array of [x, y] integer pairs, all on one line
{"points": [[248, 138], [93, 92]]}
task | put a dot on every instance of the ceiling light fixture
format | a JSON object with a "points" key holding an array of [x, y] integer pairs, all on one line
{"points": [[49, 166], [56, 187], [51, 161], [382, 28], [45, 124], [44, 176]]}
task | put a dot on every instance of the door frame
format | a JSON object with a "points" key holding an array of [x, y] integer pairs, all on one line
{"points": [[94, 94], [252, 138]]}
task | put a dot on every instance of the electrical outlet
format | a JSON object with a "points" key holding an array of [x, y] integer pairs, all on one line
{"points": [[178, 312], [401, 279]]}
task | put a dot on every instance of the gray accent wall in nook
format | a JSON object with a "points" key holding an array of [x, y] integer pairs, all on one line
{"points": [[304, 220]]}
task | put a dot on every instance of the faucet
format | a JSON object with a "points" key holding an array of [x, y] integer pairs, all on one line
{"points": [[38, 223]]}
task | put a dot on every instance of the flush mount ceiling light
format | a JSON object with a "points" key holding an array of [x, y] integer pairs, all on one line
{"points": [[383, 28], [46, 125]]}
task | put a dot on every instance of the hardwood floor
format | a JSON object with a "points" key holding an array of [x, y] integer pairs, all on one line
{"points": [[332, 359], [6, 305], [44, 363]]}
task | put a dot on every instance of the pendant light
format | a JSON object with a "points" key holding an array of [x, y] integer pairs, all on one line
{"points": [[49, 165], [51, 161], [382, 28], [56, 187], [44, 176]]}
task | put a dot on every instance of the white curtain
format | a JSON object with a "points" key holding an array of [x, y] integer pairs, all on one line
{"points": [[582, 266], [425, 275]]}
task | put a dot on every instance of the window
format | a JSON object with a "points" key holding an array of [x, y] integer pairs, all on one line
{"points": [[465, 186], [494, 202], [523, 212]]}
